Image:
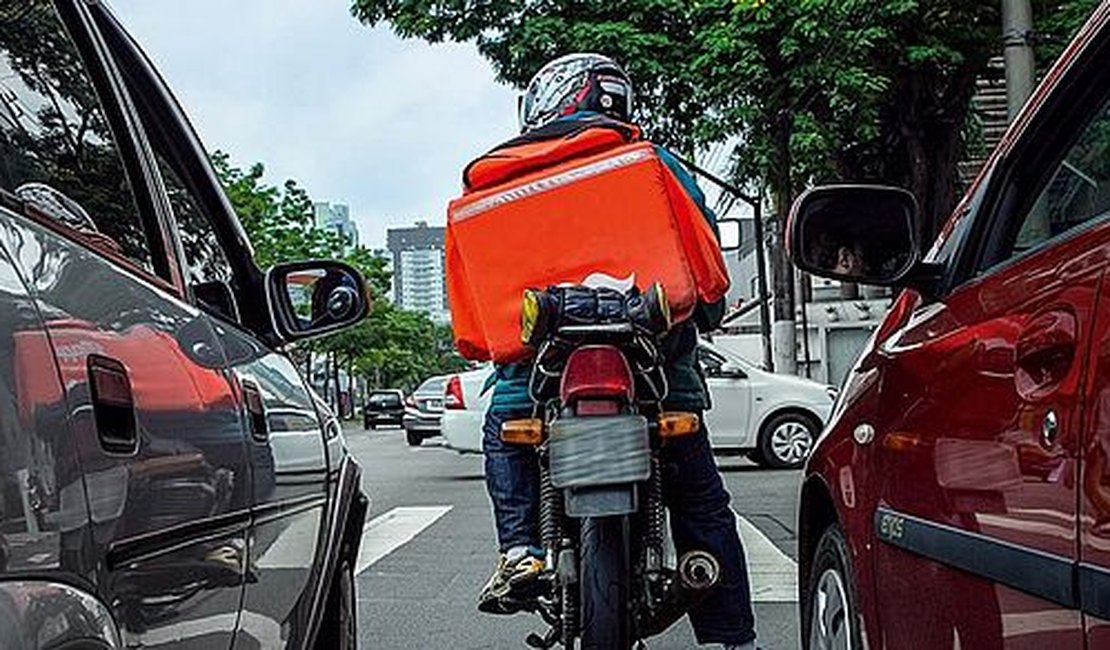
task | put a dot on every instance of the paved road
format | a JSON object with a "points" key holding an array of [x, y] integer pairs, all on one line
{"points": [[429, 547]]}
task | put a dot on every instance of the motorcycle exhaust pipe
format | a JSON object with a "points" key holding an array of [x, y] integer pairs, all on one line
{"points": [[697, 572]]}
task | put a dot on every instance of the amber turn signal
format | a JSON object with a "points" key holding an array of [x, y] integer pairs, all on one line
{"points": [[675, 424], [522, 432]]}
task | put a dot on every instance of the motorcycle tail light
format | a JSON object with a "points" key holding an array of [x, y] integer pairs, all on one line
{"points": [[453, 395], [522, 432], [596, 372], [675, 424]]}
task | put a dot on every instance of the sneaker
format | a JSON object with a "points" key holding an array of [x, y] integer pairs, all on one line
{"points": [[513, 587]]}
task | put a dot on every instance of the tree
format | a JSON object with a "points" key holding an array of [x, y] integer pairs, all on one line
{"points": [[816, 90], [396, 348], [393, 347], [279, 222]]}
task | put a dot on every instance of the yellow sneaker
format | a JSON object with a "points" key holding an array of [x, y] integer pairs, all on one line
{"points": [[512, 587]]}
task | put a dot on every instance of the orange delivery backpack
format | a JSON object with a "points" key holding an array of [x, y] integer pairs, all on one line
{"points": [[564, 202]]}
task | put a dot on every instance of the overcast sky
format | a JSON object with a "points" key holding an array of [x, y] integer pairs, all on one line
{"points": [[355, 115]]}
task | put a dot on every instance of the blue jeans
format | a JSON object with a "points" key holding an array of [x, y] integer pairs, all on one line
{"points": [[701, 519]]}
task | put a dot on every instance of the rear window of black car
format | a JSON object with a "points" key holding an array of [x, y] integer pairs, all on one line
{"points": [[384, 400]]}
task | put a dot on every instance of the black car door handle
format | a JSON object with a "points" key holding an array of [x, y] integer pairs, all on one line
{"points": [[256, 411], [113, 405]]}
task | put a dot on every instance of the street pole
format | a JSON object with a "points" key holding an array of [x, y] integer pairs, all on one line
{"points": [[760, 255], [761, 282], [805, 296], [1017, 32]]}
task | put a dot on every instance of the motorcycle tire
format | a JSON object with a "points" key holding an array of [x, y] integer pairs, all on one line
{"points": [[604, 584]]}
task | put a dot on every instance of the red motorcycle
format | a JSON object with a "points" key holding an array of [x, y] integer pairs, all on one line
{"points": [[598, 385]]}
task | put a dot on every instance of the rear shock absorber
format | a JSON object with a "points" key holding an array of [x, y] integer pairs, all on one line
{"points": [[551, 514], [655, 519], [559, 552]]}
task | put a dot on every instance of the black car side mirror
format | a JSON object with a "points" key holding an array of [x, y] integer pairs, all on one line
{"points": [[868, 234], [310, 299]]}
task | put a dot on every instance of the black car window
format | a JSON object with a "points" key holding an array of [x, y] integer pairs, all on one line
{"points": [[57, 151], [205, 261], [385, 400]]}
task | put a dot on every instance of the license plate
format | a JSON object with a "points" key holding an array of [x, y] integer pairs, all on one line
{"points": [[599, 450], [434, 404]]}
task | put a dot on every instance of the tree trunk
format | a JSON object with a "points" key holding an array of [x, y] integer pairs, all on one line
{"points": [[932, 142]]}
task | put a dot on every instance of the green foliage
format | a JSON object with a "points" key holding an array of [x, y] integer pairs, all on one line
{"points": [[280, 225], [1057, 21], [816, 90], [393, 347], [651, 38], [396, 348], [278, 221]]}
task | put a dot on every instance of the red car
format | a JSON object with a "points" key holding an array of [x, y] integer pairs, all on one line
{"points": [[960, 496]]}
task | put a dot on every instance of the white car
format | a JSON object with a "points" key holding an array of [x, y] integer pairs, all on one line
{"points": [[464, 410], [774, 418]]}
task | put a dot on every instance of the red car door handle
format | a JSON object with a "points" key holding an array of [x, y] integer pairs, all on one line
{"points": [[113, 405], [1046, 349]]}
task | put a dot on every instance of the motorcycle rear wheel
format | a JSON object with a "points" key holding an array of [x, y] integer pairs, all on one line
{"points": [[604, 583]]}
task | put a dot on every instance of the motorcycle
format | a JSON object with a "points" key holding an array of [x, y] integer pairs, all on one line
{"points": [[598, 386]]}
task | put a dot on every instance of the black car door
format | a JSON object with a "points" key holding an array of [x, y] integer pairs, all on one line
{"points": [[153, 416], [287, 439]]}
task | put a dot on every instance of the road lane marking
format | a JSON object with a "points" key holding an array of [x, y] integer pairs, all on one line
{"points": [[386, 533], [772, 574]]}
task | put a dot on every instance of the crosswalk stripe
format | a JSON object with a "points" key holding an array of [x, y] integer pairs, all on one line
{"points": [[772, 574], [392, 530]]}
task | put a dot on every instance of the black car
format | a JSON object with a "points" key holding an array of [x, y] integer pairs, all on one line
{"points": [[166, 476], [383, 407]]}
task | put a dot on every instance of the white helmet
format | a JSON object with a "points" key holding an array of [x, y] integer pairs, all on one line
{"points": [[573, 83]]}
